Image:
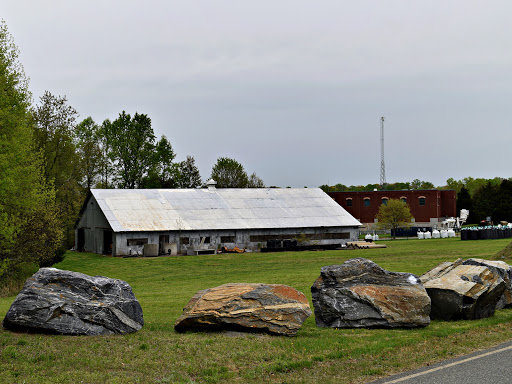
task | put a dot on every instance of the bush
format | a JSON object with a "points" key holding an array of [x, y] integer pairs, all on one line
{"points": [[12, 282], [57, 258]]}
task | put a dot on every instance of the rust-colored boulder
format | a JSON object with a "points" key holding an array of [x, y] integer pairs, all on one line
{"points": [[464, 292], [271, 308], [360, 294]]}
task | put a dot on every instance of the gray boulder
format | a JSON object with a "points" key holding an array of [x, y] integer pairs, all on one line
{"points": [[463, 291], [271, 308], [360, 294], [71, 303]]}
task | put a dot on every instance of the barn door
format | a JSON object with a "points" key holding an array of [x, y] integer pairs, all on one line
{"points": [[107, 242], [80, 241]]}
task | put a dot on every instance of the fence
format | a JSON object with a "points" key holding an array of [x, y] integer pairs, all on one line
{"points": [[485, 233]]}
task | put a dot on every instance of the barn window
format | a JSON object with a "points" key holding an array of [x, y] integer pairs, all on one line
{"points": [[227, 239], [366, 202], [422, 200], [137, 242], [349, 202], [184, 240]]}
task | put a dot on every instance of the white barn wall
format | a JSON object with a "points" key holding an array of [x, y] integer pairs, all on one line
{"points": [[242, 238]]}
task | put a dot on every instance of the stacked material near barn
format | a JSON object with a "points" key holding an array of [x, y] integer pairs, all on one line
{"points": [[123, 221]]}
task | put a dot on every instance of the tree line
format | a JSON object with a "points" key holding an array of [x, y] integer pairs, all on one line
{"points": [[49, 160]]}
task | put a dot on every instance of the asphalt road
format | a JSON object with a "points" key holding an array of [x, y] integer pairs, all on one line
{"points": [[489, 366]]}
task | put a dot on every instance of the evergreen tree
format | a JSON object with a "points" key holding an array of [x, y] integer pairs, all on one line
{"points": [[504, 201], [464, 201], [485, 202]]}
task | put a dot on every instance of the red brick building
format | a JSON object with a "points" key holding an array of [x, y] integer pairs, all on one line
{"points": [[428, 207]]}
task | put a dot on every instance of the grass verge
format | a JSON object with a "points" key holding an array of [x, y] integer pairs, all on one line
{"points": [[157, 354]]}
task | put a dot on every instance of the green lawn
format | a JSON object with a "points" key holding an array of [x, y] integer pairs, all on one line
{"points": [[157, 354]]}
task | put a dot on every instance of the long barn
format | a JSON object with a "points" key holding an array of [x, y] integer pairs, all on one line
{"points": [[128, 222]]}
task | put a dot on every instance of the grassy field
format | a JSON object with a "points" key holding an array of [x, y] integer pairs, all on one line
{"points": [[157, 354]]}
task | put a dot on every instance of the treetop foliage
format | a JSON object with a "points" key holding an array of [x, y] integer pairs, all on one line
{"points": [[189, 176], [229, 173], [471, 184]]}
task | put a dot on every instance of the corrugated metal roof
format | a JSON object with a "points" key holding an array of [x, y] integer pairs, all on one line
{"points": [[130, 210]]}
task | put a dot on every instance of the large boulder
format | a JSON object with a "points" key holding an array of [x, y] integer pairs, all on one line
{"points": [[504, 271], [463, 292], [440, 270], [71, 303], [360, 294], [272, 308]]}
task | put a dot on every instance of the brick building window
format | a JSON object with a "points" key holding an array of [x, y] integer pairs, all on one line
{"points": [[349, 202], [366, 202], [385, 200], [403, 199], [422, 200]]}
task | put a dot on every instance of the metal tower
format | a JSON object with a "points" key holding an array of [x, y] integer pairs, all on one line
{"points": [[382, 165]]}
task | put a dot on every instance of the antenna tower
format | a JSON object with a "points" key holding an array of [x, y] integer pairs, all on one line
{"points": [[383, 183]]}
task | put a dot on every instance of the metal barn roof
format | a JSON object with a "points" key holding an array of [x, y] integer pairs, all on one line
{"points": [[130, 210]]}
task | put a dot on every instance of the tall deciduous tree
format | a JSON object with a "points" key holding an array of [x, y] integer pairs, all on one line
{"points": [[229, 173], [55, 125], [89, 151], [393, 215], [457, 185], [105, 141], [131, 146], [23, 191], [418, 184], [255, 182], [55, 138], [189, 174], [163, 172]]}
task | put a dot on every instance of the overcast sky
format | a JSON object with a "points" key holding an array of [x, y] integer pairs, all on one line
{"points": [[294, 90]]}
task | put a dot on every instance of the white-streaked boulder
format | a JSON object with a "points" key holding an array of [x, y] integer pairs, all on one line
{"points": [[72, 303]]}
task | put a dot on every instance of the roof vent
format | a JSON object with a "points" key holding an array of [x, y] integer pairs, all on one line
{"points": [[211, 185]]}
